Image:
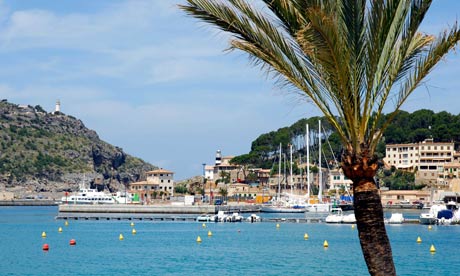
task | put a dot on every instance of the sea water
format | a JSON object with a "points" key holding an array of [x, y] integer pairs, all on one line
{"points": [[170, 248]]}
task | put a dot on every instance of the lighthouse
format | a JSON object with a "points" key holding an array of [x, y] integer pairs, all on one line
{"points": [[218, 158], [58, 107]]}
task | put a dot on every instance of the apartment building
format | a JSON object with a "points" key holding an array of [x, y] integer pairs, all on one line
{"points": [[427, 158]]}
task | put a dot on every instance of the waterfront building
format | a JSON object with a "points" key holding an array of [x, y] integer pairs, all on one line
{"points": [[242, 191], [157, 183], [426, 158], [338, 180], [389, 197]]}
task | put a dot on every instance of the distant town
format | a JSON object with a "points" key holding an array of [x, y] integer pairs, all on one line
{"points": [[435, 166]]}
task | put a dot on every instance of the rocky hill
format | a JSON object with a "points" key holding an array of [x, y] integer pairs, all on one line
{"points": [[52, 152]]}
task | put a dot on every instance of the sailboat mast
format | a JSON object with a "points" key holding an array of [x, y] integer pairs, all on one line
{"points": [[320, 176], [290, 171], [308, 162], [279, 175], [301, 172]]}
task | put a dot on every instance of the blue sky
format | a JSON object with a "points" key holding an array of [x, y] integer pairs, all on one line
{"points": [[157, 83]]}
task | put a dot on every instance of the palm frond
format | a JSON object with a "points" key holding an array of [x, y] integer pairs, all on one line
{"points": [[348, 57]]}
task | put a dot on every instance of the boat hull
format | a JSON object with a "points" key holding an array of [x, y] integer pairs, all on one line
{"points": [[319, 208], [427, 220], [269, 209]]}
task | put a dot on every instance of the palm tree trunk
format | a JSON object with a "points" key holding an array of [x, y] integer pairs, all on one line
{"points": [[371, 228]]}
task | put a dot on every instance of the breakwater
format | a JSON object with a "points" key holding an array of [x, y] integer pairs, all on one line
{"points": [[156, 209], [28, 202]]}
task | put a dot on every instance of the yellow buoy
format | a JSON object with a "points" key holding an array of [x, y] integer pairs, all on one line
{"points": [[60, 230], [325, 244], [134, 231], [198, 239], [277, 225], [429, 227], [132, 224], [66, 223], [419, 240], [305, 237], [352, 226], [204, 225], [432, 249], [209, 233], [121, 237], [44, 235]]}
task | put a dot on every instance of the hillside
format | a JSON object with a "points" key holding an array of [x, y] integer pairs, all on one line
{"points": [[46, 152], [406, 128]]}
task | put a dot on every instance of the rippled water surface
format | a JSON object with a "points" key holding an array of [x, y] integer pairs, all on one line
{"points": [[170, 248]]}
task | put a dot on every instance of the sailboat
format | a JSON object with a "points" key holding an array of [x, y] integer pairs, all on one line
{"points": [[283, 204], [320, 206]]}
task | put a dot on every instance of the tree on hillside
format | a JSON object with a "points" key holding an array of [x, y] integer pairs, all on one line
{"points": [[350, 58]]}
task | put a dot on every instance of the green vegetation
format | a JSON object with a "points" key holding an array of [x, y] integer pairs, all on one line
{"points": [[406, 128], [40, 145]]}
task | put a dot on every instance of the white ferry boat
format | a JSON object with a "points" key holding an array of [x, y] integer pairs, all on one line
{"points": [[93, 196], [88, 196]]}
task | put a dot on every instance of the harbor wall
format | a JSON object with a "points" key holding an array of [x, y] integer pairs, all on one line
{"points": [[135, 209], [154, 209], [27, 202]]}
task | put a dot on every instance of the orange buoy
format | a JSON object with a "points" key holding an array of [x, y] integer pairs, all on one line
{"points": [[72, 242], [46, 247]]}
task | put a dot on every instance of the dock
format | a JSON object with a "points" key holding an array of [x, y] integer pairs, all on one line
{"points": [[147, 212]]}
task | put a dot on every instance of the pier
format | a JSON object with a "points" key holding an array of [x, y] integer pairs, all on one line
{"points": [[147, 212]]}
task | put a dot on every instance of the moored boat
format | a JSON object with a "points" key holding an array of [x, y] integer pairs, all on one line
{"points": [[335, 216], [206, 218], [396, 218], [281, 209], [253, 218], [431, 217]]}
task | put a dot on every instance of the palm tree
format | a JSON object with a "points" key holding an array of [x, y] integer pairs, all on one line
{"points": [[351, 58]]}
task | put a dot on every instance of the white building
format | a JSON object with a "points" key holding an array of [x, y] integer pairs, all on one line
{"points": [[338, 180]]}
